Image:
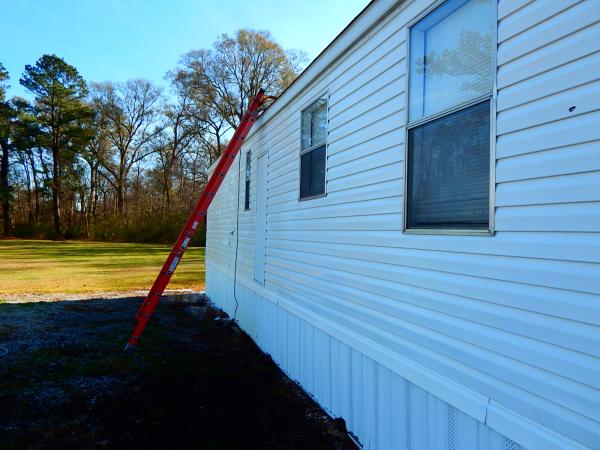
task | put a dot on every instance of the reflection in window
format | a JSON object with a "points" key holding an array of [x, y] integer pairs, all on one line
{"points": [[451, 56], [314, 124]]}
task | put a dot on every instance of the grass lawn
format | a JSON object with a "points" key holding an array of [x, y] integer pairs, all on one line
{"points": [[47, 267]]}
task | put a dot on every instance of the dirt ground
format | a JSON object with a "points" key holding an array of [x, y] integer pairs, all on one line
{"points": [[195, 381]]}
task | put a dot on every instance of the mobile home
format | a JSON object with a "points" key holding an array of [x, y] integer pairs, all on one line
{"points": [[412, 230]]}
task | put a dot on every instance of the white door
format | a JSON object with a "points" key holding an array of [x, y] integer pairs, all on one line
{"points": [[261, 219]]}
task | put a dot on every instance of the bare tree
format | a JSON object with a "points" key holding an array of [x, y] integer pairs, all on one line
{"points": [[101, 164], [224, 79], [129, 114], [95, 152], [181, 131]]}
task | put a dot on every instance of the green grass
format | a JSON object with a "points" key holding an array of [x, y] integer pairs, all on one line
{"points": [[48, 267]]}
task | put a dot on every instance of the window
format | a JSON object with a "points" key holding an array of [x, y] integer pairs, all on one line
{"points": [[313, 153], [449, 110], [247, 184]]}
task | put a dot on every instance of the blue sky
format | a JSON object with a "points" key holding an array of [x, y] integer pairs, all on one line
{"points": [[122, 39]]}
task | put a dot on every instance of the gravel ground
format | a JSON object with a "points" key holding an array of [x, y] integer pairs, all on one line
{"points": [[195, 381]]}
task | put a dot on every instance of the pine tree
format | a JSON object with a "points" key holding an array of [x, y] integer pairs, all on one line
{"points": [[62, 116]]}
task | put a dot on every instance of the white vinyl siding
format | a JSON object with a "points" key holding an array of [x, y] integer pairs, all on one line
{"points": [[507, 325]]}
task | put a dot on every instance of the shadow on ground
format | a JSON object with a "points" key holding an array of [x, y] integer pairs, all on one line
{"points": [[195, 381]]}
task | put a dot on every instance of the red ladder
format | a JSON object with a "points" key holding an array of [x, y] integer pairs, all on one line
{"points": [[195, 219]]}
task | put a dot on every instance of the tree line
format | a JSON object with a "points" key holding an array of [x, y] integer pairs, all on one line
{"points": [[126, 161]]}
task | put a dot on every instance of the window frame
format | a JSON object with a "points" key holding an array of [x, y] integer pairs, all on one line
{"points": [[408, 125], [322, 96], [247, 180]]}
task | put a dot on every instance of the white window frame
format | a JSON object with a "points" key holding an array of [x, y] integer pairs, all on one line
{"points": [[408, 125], [322, 96]]}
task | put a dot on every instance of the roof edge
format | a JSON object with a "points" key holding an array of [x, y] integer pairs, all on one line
{"points": [[361, 25]]}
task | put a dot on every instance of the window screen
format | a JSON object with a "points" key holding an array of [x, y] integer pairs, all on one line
{"points": [[449, 169], [313, 153], [448, 154], [312, 173]]}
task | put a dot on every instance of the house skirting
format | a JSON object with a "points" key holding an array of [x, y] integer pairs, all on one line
{"points": [[382, 410]]}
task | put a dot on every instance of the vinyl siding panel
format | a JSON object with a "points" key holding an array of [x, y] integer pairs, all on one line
{"points": [[508, 324]]}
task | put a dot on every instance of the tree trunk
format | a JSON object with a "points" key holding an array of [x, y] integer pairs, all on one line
{"points": [[121, 199], [4, 188], [36, 187], [26, 173], [95, 198], [90, 200], [56, 185], [167, 188]]}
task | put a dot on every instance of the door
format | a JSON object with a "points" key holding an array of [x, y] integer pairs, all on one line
{"points": [[261, 219]]}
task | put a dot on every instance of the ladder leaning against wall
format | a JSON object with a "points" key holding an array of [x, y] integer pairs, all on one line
{"points": [[197, 216]]}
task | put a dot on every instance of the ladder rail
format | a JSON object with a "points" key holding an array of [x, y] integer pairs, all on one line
{"points": [[197, 216]]}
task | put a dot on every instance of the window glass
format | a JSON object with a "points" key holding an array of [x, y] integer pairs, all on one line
{"points": [[449, 169], [312, 173], [247, 195], [451, 56], [314, 124], [313, 152], [248, 177], [248, 165]]}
